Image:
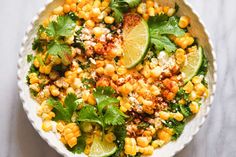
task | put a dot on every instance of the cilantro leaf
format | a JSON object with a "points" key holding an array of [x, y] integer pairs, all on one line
{"points": [[102, 93], [30, 58], [73, 16], [177, 126], [38, 44], [120, 133], [106, 102], [64, 27], [64, 113], [133, 3], [81, 144], [62, 50], [204, 66], [119, 7], [160, 26], [88, 114], [114, 116], [162, 42]]}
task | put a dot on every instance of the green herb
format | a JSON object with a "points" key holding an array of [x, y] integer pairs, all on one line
{"points": [[204, 66], [73, 16], [60, 68], [120, 133], [177, 126], [182, 95], [32, 69], [77, 41], [119, 7], [64, 27], [133, 3], [143, 125], [160, 26], [105, 113], [39, 44], [81, 144], [88, 82], [41, 30], [30, 58], [64, 113]]}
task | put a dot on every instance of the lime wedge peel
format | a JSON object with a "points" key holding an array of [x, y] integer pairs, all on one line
{"points": [[192, 64], [136, 40], [102, 148]]}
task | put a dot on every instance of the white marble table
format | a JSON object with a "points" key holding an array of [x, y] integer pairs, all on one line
{"points": [[216, 138]]}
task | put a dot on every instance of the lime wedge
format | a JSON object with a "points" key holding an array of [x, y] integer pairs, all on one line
{"points": [[192, 64], [102, 148], [135, 39]]}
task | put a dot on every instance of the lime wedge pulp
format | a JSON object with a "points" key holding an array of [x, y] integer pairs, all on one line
{"points": [[192, 64], [135, 39], [102, 148]]}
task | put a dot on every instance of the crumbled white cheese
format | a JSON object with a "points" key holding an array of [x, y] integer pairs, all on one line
{"points": [[92, 61]]}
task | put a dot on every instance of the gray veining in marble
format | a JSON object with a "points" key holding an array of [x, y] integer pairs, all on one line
{"points": [[216, 138]]}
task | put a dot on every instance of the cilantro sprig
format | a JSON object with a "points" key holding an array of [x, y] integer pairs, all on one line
{"points": [[160, 27], [64, 112], [105, 113]]}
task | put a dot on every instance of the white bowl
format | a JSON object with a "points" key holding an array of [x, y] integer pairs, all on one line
{"points": [[30, 106]]}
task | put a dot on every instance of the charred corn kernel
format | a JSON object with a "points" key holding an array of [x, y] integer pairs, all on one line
{"points": [[188, 87], [60, 126], [164, 115], [130, 146], [121, 70], [66, 8], [142, 141], [54, 90], [100, 70], [70, 133], [90, 23], [109, 70], [45, 69], [145, 16], [47, 126], [156, 72], [157, 143], [126, 88], [36, 63], [171, 12], [148, 150], [184, 21], [73, 7], [200, 89], [109, 19], [58, 11], [149, 3], [194, 107], [155, 90], [164, 136], [178, 116], [91, 99], [196, 79], [35, 87], [97, 31], [151, 11], [110, 137]]}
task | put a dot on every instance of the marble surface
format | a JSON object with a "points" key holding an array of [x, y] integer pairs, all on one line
{"points": [[215, 139]]}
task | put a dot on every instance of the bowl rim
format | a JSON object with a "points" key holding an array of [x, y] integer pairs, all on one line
{"points": [[50, 143]]}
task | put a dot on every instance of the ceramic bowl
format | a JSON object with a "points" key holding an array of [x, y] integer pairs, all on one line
{"points": [[30, 106]]}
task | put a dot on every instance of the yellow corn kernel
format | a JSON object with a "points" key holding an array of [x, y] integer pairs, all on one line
{"points": [[33, 78], [148, 150], [126, 88], [121, 70], [157, 143], [100, 70], [164, 136], [196, 79], [141, 9], [47, 126], [85, 96], [98, 47], [156, 72], [109, 70], [200, 89], [149, 3], [109, 19], [145, 16], [114, 77], [105, 4], [171, 11], [142, 141], [130, 146], [164, 115], [60, 126], [110, 137], [159, 10], [180, 56], [155, 90], [188, 87], [97, 3], [194, 107], [70, 133], [184, 21], [127, 105], [193, 96], [66, 8], [69, 1], [178, 116], [90, 23], [58, 11], [36, 63], [70, 90], [166, 9], [123, 109], [73, 7], [151, 11], [95, 12], [97, 31], [182, 102], [54, 90], [87, 149], [46, 69], [139, 67], [91, 99], [35, 87]]}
